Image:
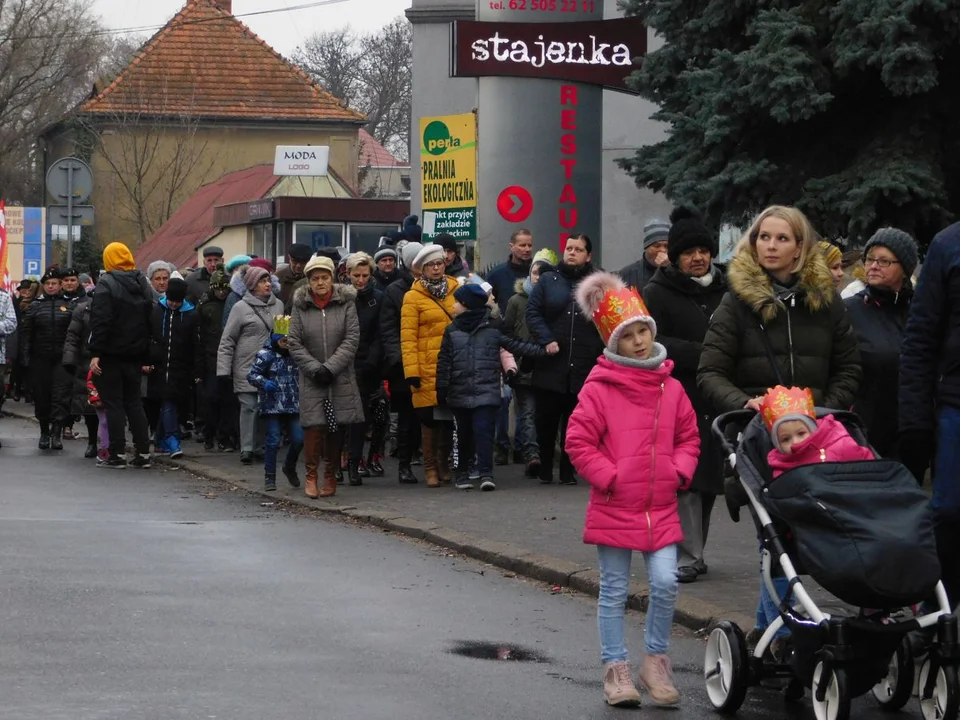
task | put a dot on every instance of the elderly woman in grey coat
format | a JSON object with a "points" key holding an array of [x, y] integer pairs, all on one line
{"points": [[323, 340], [247, 329]]}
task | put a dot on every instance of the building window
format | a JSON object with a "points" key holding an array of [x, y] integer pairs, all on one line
{"points": [[281, 243], [262, 242], [367, 237], [318, 235]]}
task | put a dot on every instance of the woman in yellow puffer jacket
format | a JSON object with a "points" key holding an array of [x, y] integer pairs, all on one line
{"points": [[426, 312]]}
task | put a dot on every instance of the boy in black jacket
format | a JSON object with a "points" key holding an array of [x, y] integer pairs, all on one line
{"points": [[468, 379]]}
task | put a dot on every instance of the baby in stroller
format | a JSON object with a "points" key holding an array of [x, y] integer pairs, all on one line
{"points": [[860, 528]]}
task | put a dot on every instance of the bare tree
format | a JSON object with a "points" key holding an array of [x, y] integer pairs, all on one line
{"points": [[49, 53], [371, 73], [156, 157], [119, 53]]}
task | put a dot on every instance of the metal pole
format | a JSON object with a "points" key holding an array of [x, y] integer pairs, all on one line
{"points": [[70, 215]]}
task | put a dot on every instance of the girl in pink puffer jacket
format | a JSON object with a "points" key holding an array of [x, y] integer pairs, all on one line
{"points": [[633, 436]]}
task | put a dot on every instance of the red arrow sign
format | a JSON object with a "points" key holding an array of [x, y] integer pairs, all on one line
{"points": [[515, 203]]}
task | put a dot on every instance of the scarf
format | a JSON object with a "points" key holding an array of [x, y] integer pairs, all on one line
{"points": [[657, 355], [705, 281], [437, 288], [321, 303], [575, 274]]}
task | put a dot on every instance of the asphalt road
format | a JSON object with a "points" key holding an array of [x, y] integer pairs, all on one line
{"points": [[152, 594]]}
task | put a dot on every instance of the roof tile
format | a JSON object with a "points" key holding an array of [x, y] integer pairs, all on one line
{"points": [[206, 63]]}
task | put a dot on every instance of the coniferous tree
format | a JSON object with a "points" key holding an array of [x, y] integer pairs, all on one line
{"points": [[849, 109]]}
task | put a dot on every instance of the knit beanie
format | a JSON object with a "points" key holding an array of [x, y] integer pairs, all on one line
{"points": [[117, 256], [262, 263], [409, 253], [471, 296], [253, 276], [177, 290], [546, 255], [687, 231], [654, 231], [447, 242], [831, 252], [156, 266], [900, 243], [428, 253], [384, 252], [219, 279], [411, 228], [236, 261]]}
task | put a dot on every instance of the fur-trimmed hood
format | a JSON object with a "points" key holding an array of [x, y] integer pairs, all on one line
{"points": [[754, 286], [341, 295]]}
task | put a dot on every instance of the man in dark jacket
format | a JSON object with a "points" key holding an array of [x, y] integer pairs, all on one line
{"points": [[504, 277], [573, 345], [199, 280], [930, 394], [654, 256], [456, 267], [119, 349], [681, 297], [387, 271], [298, 255], [401, 400], [221, 410]]}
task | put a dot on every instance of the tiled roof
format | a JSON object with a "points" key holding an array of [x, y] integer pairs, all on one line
{"points": [[206, 63], [373, 154], [192, 223]]}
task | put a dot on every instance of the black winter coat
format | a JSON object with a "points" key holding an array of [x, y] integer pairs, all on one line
{"points": [[120, 317], [468, 367], [76, 354], [198, 282], [504, 279], [384, 281], [210, 319], [682, 309], [45, 328], [808, 331], [392, 363], [368, 360], [878, 318], [638, 274], [175, 351], [553, 316]]}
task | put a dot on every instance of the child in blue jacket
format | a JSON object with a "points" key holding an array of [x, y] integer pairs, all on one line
{"points": [[275, 375]]}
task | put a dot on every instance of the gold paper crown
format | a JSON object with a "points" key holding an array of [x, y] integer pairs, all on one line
{"points": [[779, 402], [616, 307], [281, 325]]}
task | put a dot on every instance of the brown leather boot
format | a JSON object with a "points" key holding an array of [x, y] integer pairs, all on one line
{"points": [[430, 457], [444, 446], [334, 445], [312, 448]]}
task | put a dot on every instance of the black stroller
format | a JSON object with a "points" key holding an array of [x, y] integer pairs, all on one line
{"points": [[864, 532]]}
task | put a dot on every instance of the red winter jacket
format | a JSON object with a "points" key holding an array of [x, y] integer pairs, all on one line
{"points": [[830, 443], [633, 436]]}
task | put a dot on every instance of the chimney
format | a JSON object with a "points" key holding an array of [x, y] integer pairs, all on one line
{"points": [[225, 5]]}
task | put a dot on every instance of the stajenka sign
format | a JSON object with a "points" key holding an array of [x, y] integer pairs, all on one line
{"points": [[594, 53], [301, 160]]}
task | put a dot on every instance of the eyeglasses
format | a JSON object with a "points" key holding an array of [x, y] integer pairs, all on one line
{"points": [[882, 262], [434, 264]]}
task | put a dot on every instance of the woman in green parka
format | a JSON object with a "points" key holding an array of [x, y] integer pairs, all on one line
{"points": [[781, 287]]}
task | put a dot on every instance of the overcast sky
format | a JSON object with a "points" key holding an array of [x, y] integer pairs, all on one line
{"points": [[284, 29]]}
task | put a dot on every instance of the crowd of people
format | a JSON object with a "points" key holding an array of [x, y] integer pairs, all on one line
{"points": [[613, 378]]}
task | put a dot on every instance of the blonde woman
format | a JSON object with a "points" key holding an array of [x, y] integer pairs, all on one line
{"points": [[781, 288]]}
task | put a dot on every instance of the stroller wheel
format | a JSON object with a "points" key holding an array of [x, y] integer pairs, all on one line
{"points": [[725, 667], [833, 703], [942, 700], [895, 689]]}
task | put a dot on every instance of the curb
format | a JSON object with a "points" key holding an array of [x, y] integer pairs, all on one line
{"points": [[690, 612]]}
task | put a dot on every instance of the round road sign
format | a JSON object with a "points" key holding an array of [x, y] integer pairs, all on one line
{"points": [[82, 180], [515, 203]]}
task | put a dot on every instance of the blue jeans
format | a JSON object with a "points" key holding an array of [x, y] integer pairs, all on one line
{"points": [[612, 603], [768, 607], [475, 429], [274, 435], [946, 500], [525, 407], [503, 421]]}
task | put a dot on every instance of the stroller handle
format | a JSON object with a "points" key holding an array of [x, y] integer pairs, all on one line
{"points": [[724, 423]]}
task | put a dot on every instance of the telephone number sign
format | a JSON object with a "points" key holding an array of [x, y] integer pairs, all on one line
{"points": [[570, 6]]}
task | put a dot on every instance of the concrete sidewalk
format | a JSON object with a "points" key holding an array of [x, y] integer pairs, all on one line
{"points": [[524, 527]]}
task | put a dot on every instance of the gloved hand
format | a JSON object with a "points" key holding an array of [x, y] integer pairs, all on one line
{"points": [[323, 376], [441, 397], [414, 382], [511, 377], [271, 386], [916, 448]]}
